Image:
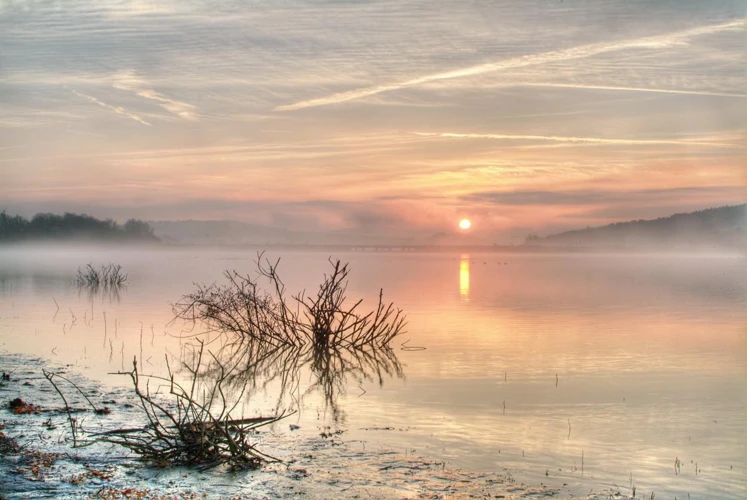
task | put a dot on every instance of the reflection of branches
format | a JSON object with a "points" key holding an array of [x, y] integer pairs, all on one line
{"points": [[256, 366], [110, 293], [335, 368], [245, 312]]}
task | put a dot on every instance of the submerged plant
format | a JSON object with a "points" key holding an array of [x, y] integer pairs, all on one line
{"points": [[243, 310], [108, 276]]}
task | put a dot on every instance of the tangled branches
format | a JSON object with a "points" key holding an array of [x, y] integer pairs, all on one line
{"points": [[189, 431], [242, 309], [183, 426]]}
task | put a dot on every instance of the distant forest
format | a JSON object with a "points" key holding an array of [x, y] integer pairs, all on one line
{"points": [[723, 227], [72, 227]]}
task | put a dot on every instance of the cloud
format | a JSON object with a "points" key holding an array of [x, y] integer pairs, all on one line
{"points": [[579, 52], [593, 140], [117, 109], [609, 197], [606, 215], [128, 81], [627, 89], [549, 212]]}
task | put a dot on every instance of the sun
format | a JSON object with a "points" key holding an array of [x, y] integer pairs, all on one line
{"points": [[465, 224]]}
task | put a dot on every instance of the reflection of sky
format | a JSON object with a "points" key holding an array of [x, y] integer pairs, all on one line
{"points": [[389, 117]]}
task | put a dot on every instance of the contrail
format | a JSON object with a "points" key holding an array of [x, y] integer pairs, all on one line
{"points": [[179, 108], [128, 81], [117, 109], [556, 138], [579, 52], [631, 89]]}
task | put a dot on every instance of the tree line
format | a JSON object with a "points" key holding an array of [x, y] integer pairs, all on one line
{"points": [[69, 226]]}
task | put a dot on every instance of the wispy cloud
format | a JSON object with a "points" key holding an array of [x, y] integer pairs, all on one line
{"points": [[608, 196], [628, 89], [590, 140], [290, 150], [128, 81], [578, 52], [117, 109]]}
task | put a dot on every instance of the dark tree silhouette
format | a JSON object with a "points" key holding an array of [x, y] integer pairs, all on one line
{"points": [[69, 226]]}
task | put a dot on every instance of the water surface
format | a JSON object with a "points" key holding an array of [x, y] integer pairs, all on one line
{"points": [[580, 369]]}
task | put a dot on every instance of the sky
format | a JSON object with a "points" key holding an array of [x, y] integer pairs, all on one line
{"points": [[396, 117]]}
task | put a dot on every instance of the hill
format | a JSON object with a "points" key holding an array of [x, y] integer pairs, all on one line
{"points": [[712, 228]]}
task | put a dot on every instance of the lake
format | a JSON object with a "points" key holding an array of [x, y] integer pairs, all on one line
{"points": [[591, 371]]}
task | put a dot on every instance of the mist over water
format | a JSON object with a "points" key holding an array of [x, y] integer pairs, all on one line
{"points": [[531, 361]]}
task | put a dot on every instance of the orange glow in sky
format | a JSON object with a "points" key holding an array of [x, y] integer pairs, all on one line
{"points": [[386, 138]]}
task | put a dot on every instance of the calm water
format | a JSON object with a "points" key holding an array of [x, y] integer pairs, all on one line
{"points": [[540, 364]]}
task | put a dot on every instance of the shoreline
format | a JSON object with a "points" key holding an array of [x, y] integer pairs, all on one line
{"points": [[47, 466], [391, 248]]}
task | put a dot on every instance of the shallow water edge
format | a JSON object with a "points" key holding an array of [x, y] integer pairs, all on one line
{"points": [[47, 466]]}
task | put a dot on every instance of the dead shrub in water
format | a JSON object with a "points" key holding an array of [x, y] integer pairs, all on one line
{"points": [[244, 310], [184, 426], [190, 429]]}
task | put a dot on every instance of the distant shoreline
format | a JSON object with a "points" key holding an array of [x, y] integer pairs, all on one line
{"points": [[517, 249], [465, 249], [381, 248]]}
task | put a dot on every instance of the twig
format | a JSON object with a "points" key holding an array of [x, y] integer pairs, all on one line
{"points": [[70, 418]]}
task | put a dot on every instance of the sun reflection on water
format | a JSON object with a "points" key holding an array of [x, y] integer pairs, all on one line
{"points": [[464, 277]]}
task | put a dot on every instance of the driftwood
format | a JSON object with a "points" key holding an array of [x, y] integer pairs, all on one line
{"points": [[184, 426], [191, 431]]}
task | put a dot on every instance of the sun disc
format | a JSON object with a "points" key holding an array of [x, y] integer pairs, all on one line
{"points": [[465, 224]]}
